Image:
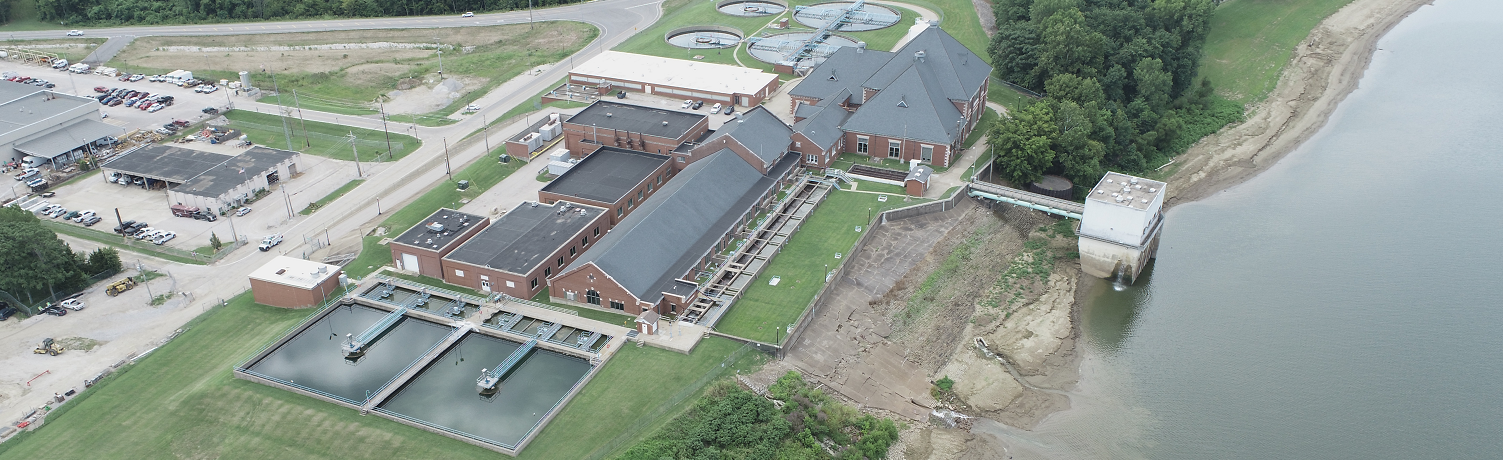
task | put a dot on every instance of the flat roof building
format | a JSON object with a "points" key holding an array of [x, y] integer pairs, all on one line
{"points": [[56, 127], [421, 249], [611, 178], [1120, 226], [290, 282], [629, 126], [207, 180], [517, 253], [677, 78]]}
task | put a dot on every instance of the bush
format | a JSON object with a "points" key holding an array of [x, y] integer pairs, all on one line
{"points": [[945, 384]]}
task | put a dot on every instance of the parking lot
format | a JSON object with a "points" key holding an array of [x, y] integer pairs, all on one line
{"points": [[187, 105]]}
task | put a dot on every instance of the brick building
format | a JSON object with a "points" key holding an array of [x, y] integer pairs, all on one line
{"points": [[422, 248], [290, 282], [919, 103], [518, 252], [755, 135], [615, 179], [634, 127]]}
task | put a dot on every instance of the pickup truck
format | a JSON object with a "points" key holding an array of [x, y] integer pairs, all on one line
{"points": [[269, 242]]}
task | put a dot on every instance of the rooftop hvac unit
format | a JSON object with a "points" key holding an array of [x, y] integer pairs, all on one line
{"points": [[533, 140], [435, 227]]}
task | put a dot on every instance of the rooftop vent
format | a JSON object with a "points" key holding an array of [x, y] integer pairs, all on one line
{"points": [[435, 227], [832, 75], [903, 100], [665, 122], [281, 271], [608, 114], [919, 55]]}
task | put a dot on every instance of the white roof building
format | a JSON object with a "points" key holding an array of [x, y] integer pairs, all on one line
{"points": [[676, 77]]}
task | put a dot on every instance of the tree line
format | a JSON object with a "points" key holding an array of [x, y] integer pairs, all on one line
{"points": [[1119, 79], [189, 11], [38, 264]]}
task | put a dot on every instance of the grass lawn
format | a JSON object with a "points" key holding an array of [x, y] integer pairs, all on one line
{"points": [[482, 174], [1250, 42], [1000, 93], [763, 310], [988, 117], [334, 195], [597, 315], [328, 140], [182, 401], [512, 115], [517, 49], [117, 242], [680, 13]]}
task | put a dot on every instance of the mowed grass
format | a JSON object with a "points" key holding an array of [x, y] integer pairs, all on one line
{"points": [[764, 312], [334, 195], [482, 174], [328, 140], [72, 54], [183, 402], [1251, 41], [681, 13]]}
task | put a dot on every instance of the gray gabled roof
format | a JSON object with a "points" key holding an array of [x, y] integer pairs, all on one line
{"points": [[70, 137], [846, 69], [659, 242], [957, 72], [221, 179], [759, 131], [822, 125], [909, 109]]}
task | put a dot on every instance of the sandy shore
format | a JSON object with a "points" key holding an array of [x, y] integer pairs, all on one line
{"points": [[1325, 68]]}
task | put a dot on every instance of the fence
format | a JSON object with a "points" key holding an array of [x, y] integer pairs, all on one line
{"points": [[877, 221], [647, 421]]}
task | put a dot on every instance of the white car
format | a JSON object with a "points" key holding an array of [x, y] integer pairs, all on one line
{"points": [[472, 108], [467, 14], [58, 212], [75, 33], [83, 216], [165, 237], [156, 107], [73, 304], [687, 103], [715, 108]]}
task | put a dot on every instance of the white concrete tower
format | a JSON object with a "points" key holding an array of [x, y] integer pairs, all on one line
{"points": [[1119, 230]]}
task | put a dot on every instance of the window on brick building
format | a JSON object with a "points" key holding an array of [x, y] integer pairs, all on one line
{"points": [[572, 251], [618, 305], [534, 283], [547, 272], [894, 149], [861, 144], [591, 297]]}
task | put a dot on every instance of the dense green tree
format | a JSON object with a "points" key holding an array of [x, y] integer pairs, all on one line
{"points": [[1024, 144], [1068, 45], [103, 260], [14, 213], [35, 260]]}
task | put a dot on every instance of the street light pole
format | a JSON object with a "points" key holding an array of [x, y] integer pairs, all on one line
{"points": [[378, 205]]}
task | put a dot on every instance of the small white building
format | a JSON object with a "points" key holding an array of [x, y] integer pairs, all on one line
{"points": [[1119, 230]]}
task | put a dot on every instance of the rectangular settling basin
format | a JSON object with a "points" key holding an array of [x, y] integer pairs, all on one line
{"points": [[444, 393], [313, 359]]}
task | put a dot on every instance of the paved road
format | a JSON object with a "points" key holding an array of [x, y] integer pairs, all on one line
{"points": [[345, 218]]}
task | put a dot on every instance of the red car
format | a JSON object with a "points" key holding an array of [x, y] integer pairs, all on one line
{"points": [[144, 105], [100, 89]]}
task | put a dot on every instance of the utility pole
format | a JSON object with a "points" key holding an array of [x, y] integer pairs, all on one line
{"points": [[485, 129], [306, 141], [355, 151], [288, 198], [447, 169], [529, 15], [440, 46], [383, 127], [281, 112]]}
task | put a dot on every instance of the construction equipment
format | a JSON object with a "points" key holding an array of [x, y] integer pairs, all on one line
{"points": [[118, 287], [49, 347]]}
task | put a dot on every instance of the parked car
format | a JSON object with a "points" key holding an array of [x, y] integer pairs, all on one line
{"points": [[687, 103], [269, 242], [84, 215], [72, 304], [75, 33], [180, 122], [71, 215], [163, 131], [698, 104], [6, 311], [729, 108], [123, 226], [715, 108], [210, 110], [165, 237], [156, 107], [55, 311], [91, 221], [58, 211], [101, 89], [242, 211]]}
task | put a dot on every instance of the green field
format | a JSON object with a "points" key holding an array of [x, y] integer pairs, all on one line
{"points": [[182, 402], [482, 174], [334, 195], [680, 13], [1251, 41], [328, 140], [72, 54], [763, 311]]}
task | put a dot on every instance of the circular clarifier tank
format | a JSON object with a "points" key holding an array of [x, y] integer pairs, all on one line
{"points": [[751, 8], [704, 37], [775, 57], [869, 17]]}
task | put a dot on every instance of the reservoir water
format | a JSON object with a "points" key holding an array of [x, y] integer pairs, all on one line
{"points": [[313, 359], [1343, 304]]}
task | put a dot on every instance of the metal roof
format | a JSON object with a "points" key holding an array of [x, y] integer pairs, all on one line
{"points": [[70, 137], [846, 69], [662, 240], [526, 236], [454, 224], [23, 105], [759, 131], [167, 163], [607, 175], [218, 180], [652, 121], [909, 109]]}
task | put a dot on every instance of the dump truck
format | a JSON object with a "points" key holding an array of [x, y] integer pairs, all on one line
{"points": [[49, 347], [118, 287]]}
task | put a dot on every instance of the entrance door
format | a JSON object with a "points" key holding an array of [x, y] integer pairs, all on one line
{"points": [[485, 285], [410, 263]]}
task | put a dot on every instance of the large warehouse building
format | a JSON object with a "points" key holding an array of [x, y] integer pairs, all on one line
{"points": [[206, 180], [676, 78], [57, 128]]}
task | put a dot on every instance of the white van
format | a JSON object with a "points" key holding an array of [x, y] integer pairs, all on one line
{"points": [[79, 68], [33, 162]]}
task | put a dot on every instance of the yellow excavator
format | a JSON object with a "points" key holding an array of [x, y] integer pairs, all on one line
{"points": [[49, 347], [118, 287]]}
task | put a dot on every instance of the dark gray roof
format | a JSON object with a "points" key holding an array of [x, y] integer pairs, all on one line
{"points": [[759, 131], [908, 109], [607, 175], [526, 236], [950, 67], [454, 224], [165, 162], [822, 125], [659, 242], [218, 180], [58, 142], [849, 69], [921, 174], [637, 119]]}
